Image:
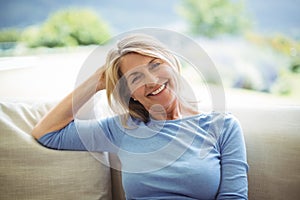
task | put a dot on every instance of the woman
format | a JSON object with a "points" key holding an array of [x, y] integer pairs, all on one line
{"points": [[168, 150]]}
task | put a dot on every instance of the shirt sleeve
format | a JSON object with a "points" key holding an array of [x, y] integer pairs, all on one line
{"points": [[83, 135], [234, 167]]}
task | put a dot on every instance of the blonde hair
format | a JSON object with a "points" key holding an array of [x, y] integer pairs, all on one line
{"points": [[118, 93]]}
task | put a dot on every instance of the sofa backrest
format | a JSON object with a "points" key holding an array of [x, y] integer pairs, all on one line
{"points": [[272, 136]]}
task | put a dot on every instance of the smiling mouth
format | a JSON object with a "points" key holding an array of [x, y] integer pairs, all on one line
{"points": [[159, 90]]}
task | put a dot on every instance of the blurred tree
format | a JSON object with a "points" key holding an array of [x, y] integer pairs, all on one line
{"points": [[9, 35], [211, 18], [282, 44], [68, 28], [8, 38]]}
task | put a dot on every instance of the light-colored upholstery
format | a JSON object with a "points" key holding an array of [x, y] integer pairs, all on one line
{"points": [[272, 136], [30, 171]]}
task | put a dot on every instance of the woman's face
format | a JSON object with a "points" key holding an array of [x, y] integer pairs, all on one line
{"points": [[150, 80]]}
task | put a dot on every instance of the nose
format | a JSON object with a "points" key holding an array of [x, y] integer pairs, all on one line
{"points": [[150, 79]]}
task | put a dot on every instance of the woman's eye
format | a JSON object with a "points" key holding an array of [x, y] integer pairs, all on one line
{"points": [[136, 79], [154, 65]]}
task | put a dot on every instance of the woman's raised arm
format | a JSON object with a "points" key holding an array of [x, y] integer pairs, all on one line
{"points": [[62, 114]]}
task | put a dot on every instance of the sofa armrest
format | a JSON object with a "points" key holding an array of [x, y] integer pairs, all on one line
{"points": [[31, 171]]}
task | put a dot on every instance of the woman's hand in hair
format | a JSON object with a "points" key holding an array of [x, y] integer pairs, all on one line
{"points": [[100, 75]]}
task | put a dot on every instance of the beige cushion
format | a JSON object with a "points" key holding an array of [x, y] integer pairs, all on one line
{"points": [[31, 171], [272, 136]]}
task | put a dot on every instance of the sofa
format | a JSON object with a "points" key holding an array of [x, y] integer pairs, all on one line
{"points": [[30, 171]]}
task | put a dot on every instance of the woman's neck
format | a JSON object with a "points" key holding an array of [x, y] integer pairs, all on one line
{"points": [[178, 111]]}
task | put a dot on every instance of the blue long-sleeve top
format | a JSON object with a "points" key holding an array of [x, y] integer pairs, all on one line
{"points": [[197, 157]]}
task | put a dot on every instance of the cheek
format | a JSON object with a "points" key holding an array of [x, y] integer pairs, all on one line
{"points": [[135, 88], [168, 72], [172, 78], [137, 92]]}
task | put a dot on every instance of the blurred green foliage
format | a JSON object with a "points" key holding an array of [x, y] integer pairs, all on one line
{"points": [[214, 17], [9, 35], [70, 27], [287, 83], [281, 44], [288, 47]]}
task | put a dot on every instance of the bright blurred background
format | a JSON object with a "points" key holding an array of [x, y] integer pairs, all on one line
{"points": [[254, 44]]}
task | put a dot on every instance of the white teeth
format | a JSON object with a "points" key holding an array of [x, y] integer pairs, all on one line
{"points": [[159, 90]]}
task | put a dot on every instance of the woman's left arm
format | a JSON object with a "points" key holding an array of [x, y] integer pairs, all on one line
{"points": [[234, 167]]}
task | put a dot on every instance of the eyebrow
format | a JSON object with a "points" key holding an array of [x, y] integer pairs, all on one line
{"points": [[151, 61]]}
